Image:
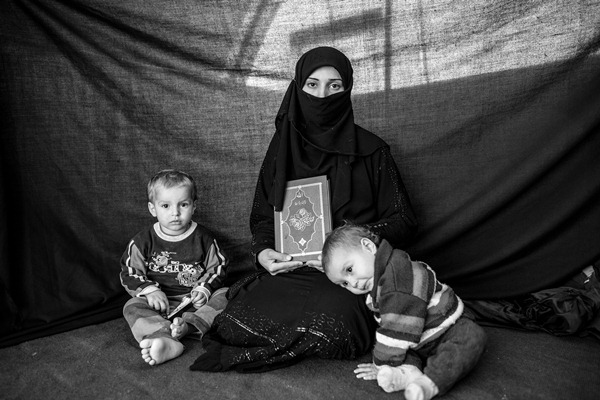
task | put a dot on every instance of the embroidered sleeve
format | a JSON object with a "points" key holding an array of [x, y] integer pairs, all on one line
{"points": [[261, 216], [397, 223]]}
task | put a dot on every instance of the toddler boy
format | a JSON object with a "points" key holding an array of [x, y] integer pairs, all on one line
{"points": [[173, 259], [420, 319]]}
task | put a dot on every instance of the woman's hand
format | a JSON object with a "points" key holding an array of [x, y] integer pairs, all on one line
{"points": [[277, 263], [316, 264]]}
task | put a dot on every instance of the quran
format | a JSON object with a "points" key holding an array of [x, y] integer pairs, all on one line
{"points": [[305, 218]]}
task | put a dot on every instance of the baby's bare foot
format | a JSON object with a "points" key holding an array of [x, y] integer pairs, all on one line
{"points": [[421, 388], [179, 328], [394, 379], [159, 350]]}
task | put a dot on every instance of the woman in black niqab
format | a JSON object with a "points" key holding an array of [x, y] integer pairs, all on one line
{"points": [[316, 133], [286, 310]]}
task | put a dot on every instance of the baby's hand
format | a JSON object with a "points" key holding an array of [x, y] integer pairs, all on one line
{"points": [[198, 298], [158, 301], [368, 372]]}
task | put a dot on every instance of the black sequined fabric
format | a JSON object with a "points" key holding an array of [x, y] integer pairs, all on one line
{"points": [[259, 333]]}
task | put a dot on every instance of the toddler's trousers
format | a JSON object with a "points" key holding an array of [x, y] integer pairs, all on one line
{"points": [[147, 323], [452, 356]]}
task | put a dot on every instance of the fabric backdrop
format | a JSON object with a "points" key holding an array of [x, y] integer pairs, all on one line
{"points": [[491, 108]]}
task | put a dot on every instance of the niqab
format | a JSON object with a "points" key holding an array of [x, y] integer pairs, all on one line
{"points": [[317, 136]]}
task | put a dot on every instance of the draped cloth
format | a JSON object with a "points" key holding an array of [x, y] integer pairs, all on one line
{"points": [[489, 108], [564, 310]]}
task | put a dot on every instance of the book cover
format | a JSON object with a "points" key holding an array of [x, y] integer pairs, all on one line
{"points": [[305, 219]]}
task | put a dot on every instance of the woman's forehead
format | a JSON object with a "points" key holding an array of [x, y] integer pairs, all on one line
{"points": [[321, 57], [326, 72]]}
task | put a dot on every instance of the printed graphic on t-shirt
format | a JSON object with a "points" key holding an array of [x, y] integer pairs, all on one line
{"points": [[190, 276], [187, 274]]}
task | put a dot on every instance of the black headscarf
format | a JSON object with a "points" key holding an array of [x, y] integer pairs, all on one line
{"points": [[317, 136]]}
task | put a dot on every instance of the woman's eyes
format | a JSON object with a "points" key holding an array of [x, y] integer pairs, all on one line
{"points": [[333, 86]]}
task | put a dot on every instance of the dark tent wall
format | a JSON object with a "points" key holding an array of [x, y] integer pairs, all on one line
{"points": [[492, 110]]}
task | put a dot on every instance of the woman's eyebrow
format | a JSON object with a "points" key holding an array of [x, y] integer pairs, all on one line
{"points": [[316, 79]]}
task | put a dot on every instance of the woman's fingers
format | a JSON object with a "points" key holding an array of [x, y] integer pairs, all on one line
{"points": [[276, 262]]}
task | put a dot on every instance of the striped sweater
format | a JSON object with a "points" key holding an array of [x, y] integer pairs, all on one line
{"points": [[411, 306], [176, 265]]}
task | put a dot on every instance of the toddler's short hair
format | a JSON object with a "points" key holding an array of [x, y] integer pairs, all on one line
{"points": [[346, 236], [169, 178]]}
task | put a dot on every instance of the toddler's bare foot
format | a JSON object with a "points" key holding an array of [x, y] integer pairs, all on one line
{"points": [[158, 350], [394, 379], [179, 328], [421, 388]]}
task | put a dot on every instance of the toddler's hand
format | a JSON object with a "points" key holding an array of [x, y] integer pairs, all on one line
{"points": [[368, 372], [158, 301], [198, 299]]}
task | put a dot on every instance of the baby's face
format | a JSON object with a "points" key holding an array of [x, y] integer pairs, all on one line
{"points": [[174, 208], [353, 267]]}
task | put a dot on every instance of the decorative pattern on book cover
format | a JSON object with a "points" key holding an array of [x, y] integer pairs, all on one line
{"points": [[305, 219]]}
